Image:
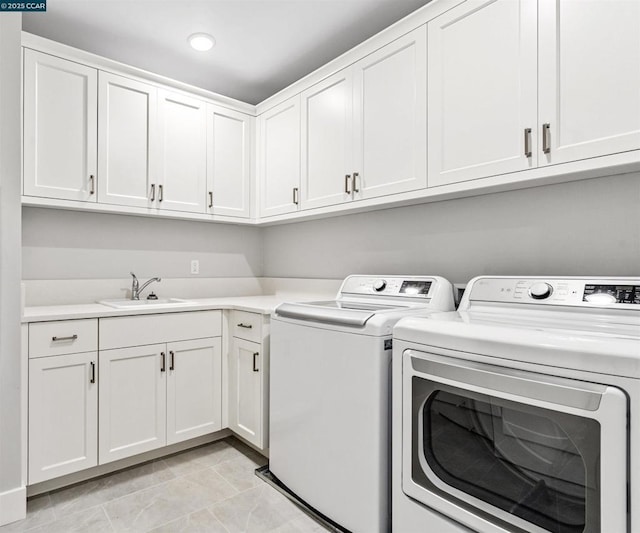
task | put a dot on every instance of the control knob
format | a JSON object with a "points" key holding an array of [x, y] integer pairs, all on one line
{"points": [[379, 285], [540, 291]]}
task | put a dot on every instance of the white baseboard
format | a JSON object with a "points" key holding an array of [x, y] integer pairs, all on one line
{"points": [[13, 505]]}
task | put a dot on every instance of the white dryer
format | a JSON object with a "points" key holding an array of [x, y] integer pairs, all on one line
{"points": [[330, 394], [520, 412]]}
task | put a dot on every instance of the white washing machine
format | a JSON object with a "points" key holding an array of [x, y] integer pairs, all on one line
{"points": [[330, 394], [520, 412]]}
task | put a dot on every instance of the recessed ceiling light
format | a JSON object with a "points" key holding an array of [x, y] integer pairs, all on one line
{"points": [[201, 41]]}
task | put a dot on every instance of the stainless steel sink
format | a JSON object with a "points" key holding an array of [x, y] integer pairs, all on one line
{"points": [[145, 304]]}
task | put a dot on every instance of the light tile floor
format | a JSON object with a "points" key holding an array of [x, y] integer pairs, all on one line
{"points": [[210, 489]]}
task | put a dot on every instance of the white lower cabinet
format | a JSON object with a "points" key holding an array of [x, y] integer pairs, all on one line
{"points": [[248, 385], [63, 415], [103, 390], [245, 390], [63, 398], [159, 394], [152, 395], [132, 401], [194, 385]]}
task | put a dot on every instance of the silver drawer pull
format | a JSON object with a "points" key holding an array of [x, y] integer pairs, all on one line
{"points": [[356, 175], [62, 339], [527, 142], [546, 138], [247, 326]]}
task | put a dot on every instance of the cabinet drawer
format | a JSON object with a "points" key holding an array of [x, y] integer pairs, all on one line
{"points": [[246, 325], [119, 332], [63, 337]]}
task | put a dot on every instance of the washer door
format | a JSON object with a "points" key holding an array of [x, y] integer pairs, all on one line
{"points": [[504, 450]]}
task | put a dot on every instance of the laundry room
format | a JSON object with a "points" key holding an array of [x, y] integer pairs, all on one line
{"points": [[203, 254]]}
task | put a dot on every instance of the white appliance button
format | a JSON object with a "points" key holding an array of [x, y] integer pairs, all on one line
{"points": [[379, 285], [540, 291]]}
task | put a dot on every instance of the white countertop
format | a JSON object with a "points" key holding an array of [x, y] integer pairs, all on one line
{"points": [[263, 304]]}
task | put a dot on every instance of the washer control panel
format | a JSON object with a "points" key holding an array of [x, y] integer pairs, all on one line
{"points": [[568, 291], [412, 287]]}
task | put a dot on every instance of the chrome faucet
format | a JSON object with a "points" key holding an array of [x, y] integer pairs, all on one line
{"points": [[136, 289]]}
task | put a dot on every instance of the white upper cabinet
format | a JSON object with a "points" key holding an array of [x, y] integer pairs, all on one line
{"points": [[390, 118], [589, 82], [482, 90], [364, 129], [60, 128], [228, 162], [127, 123], [279, 158], [327, 141], [183, 153]]}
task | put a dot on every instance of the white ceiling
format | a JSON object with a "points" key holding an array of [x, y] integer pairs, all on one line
{"points": [[261, 45]]}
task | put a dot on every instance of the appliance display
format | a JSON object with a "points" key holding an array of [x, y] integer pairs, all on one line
{"points": [[330, 394], [512, 414], [622, 294], [415, 287]]}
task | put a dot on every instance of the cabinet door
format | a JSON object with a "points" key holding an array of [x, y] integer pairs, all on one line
{"points": [[228, 162], [194, 389], [127, 123], [279, 158], [60, 128], [589, 78], [132, 401], [481, 90], [327, 146], [245, 390], [183, 151], [63, 415], [390, 118]]}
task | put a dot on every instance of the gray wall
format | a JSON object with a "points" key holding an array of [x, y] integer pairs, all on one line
{"points": [[11, 443], [580, 228], [79, 245]]}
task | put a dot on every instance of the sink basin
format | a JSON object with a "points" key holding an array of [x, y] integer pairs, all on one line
{"points": [[145, 304]]}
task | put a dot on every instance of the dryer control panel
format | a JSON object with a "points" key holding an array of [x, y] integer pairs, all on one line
{"points": [[583, 292], [411, 287]]}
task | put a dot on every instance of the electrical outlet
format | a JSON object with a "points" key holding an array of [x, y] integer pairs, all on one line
{"points": [[195, 266]]}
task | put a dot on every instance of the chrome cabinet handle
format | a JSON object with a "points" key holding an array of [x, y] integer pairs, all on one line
{"points": [[172, 365], [247, 326], [163, 362], [347, 183], [92, 180], [160, 193], [62, 339], [210, 199], [527, 142], [355, 182], [546, 138], [295, 195], [255, 357], [93, 372], [153, 192]]}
